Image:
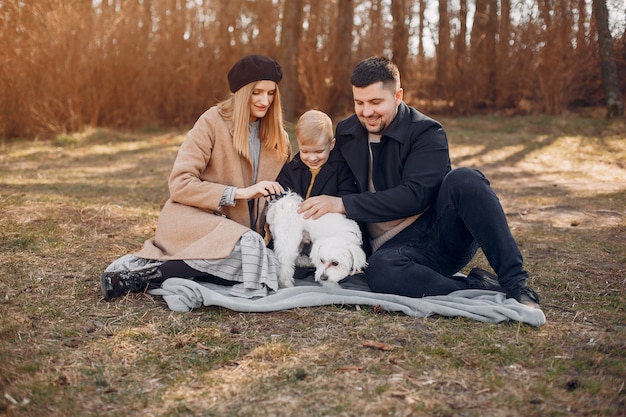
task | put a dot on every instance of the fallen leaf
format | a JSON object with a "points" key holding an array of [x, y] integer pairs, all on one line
{"points": [[377, 345]]}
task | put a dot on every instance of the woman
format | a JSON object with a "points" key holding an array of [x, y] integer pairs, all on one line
{"points": [[210, 227]]}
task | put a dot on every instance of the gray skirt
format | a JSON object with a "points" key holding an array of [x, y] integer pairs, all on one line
{"points": [[251, 264]]}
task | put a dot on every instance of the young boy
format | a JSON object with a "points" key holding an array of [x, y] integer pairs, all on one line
{"points": [[315, 169]]}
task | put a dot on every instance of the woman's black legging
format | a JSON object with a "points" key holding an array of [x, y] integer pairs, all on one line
{"points": [[180, 269]]}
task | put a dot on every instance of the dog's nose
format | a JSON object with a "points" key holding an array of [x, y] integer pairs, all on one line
{"points": [[324, 277]]}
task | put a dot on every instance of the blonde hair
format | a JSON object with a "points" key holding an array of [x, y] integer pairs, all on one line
{"points": [[271, 130], [312, 126]]}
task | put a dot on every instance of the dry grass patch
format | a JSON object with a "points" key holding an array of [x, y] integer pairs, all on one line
{"points": [[72, 205]]}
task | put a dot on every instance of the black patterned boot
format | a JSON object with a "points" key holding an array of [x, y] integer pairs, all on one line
{"points": [[115, 284]]}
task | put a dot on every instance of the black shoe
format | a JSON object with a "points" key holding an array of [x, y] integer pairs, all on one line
{"points": [[524, 295], [484, 280], [115, 284]]}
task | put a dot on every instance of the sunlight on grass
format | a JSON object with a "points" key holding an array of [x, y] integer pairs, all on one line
{"points": [[71, 206]]}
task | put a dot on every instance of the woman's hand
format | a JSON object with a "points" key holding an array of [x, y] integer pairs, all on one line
{"points": [[260, 189]]}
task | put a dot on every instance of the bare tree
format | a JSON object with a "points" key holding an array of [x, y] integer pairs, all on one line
{"points": [[555, 68], [443, 48], [400, 38], [66, 64], [291, 30], [460, 43], [503, 83], [317, 57], [421, 55], [460, 91], [483, 59], [615, 106], [368, 28], [581, 33], [341, 97]]}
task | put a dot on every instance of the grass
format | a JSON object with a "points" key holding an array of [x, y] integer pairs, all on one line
{"points": [[73, 204]]}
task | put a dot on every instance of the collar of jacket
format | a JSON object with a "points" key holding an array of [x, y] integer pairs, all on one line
{"points": [[396, 130]]}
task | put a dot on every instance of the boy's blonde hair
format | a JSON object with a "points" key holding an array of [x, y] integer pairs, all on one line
{"points": [[314, 126], [271, 131]]}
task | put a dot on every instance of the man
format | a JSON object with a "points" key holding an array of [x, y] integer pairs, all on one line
{"points": [[424, 220]]}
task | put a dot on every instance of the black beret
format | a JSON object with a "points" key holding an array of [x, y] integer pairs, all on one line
{"points": [[253, 68]]}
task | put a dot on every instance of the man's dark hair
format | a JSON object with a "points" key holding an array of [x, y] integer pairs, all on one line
{"points": [[373, 70]]}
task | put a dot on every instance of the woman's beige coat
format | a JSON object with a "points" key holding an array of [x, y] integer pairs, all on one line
{"points": [[206, 164]]}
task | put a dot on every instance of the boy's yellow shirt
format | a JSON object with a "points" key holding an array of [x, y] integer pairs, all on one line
{"points": [[314, 173]]}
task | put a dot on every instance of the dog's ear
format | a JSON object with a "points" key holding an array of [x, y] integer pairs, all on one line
{"points": [[314, 253], [358, 258]]}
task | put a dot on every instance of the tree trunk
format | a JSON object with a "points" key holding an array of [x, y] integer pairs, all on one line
{"points": [[342, 92], [375, 44], [421, 54], [615, 106], [492, 65], [581, 33], [289, 36], [482, 55], [504, 85], [460, 92], [400, 39], [443, 50]]}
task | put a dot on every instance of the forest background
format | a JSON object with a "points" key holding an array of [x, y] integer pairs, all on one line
{"points": [[68, 64], [133, 68]]}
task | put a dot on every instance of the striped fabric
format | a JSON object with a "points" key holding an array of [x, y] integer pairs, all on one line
{"points": [[250, 263]]}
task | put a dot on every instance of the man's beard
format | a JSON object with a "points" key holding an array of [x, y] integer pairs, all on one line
{"points": [[378, 131]]}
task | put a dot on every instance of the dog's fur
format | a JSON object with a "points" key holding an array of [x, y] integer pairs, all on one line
{"points": [[335, 242]]}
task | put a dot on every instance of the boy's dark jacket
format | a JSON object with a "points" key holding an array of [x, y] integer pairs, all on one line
{"points": [[334, 178]]}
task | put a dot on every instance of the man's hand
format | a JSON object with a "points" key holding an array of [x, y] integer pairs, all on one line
{"points": [[316, 207]]}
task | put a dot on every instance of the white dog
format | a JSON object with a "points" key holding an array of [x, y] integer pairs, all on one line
{"points": [[335, 242]]}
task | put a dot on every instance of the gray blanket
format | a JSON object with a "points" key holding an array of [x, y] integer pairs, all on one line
{"points": [[487, 306]]}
